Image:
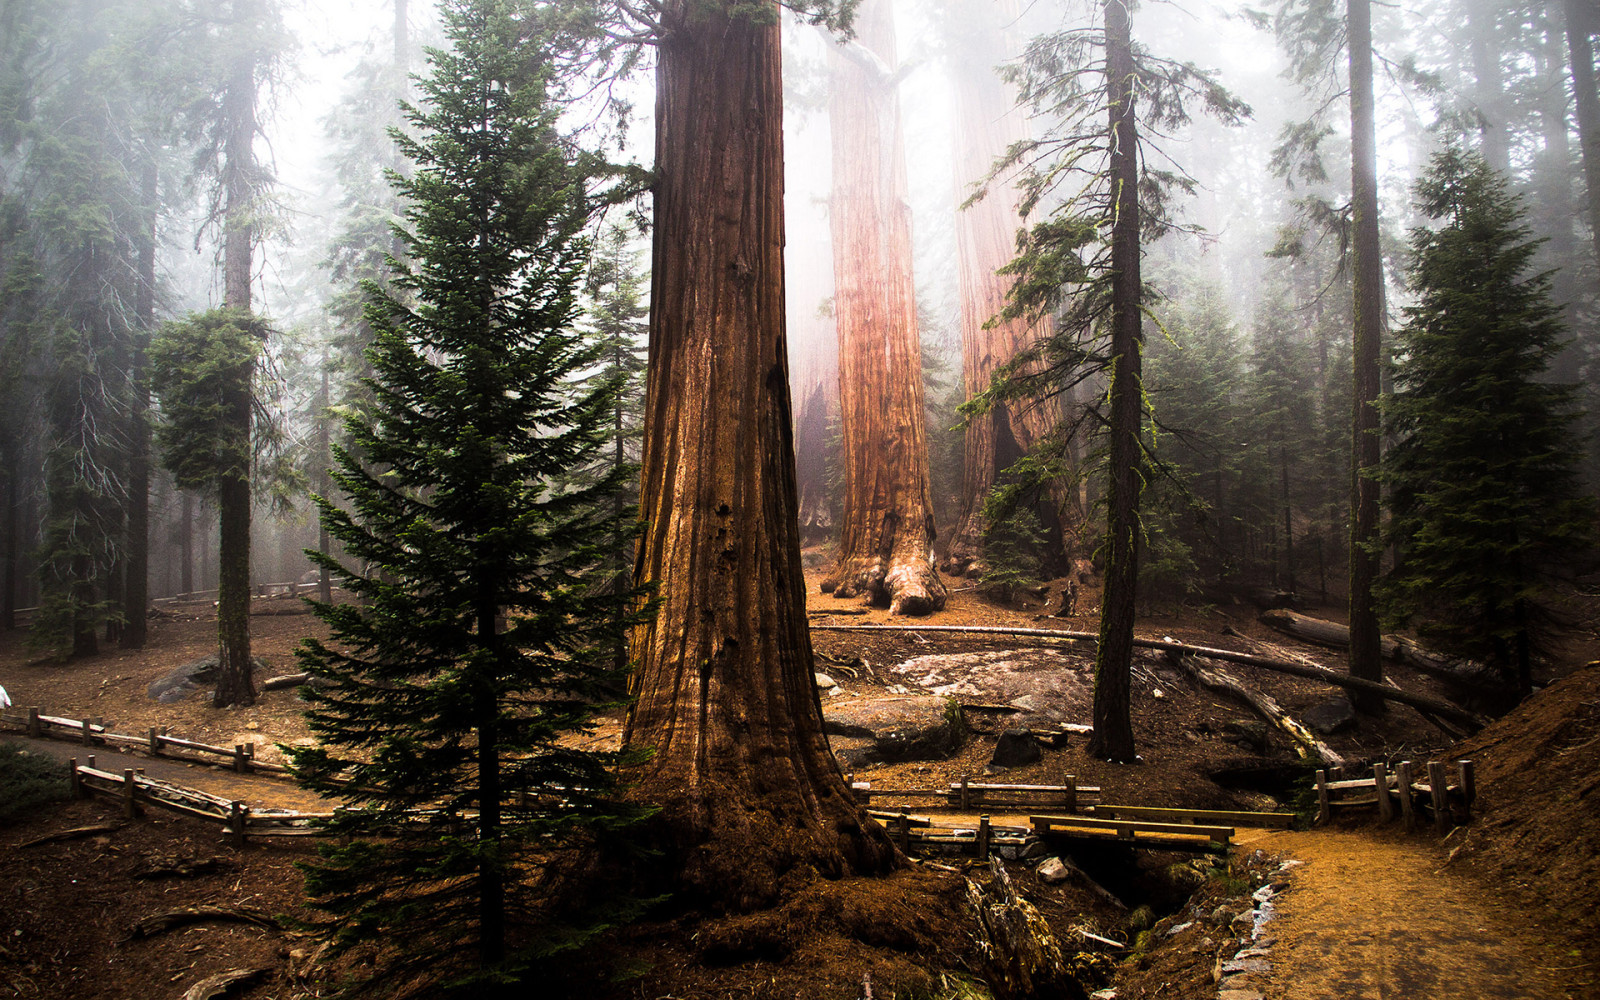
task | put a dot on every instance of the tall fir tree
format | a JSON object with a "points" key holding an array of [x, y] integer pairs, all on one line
{"points": [[484, 634], [1486, 504]]}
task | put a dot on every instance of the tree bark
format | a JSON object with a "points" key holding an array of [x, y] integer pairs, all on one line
{"points": [[886, 527], [186, 543], [1488, 92], [725, 695], [1581, 51], [137, 592], [987, 123], [234, 683], [1113, 729], [1367, 270]]}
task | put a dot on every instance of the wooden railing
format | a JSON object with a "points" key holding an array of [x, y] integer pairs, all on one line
{"points": [[155, 742], [1401, 794]]}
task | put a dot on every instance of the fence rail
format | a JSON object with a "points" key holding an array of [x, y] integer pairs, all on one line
{"points": [[1401, 793], [155, 742]]}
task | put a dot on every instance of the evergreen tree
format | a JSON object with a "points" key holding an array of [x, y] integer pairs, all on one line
{"points": [[485, 634], [1485, 500]]}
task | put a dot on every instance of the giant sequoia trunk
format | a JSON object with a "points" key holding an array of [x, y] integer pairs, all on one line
{"points": [[1367, 270], [987, 123], [886, 526], [725, 694], [136, 597], [1581, 51], [234, 683], [1113, 728]]}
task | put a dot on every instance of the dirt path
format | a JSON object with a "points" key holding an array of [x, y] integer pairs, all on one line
{"points": [[1376, 916], [256, 791]]}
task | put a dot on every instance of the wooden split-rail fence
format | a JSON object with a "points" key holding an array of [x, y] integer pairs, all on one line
{"points": [[1401, 793], [966, 795], [155, 742]]}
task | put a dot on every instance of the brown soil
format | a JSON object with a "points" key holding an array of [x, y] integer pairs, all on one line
{"points": [[828, 939]]}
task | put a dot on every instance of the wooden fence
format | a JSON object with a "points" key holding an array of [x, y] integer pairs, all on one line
{"points": [[156, 742], [966, 795], [1400, 794]]}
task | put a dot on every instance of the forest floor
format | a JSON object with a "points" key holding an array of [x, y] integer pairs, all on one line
{"points": [[1366, 902]]}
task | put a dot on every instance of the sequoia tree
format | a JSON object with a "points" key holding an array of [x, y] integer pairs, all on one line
{"points": [[886, 527], [724, 672]]}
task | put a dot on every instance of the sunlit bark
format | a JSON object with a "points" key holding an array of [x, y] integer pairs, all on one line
{"points": [[726, 699], [886, 528]]}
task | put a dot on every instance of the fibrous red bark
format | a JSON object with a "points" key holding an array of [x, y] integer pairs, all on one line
{"points": [[886, 528], [726, 700]]}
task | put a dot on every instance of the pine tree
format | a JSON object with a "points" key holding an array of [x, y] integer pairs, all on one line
{"points": [[1485, 499], [484, 634]]}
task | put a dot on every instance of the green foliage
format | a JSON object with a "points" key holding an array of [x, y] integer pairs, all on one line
{"points": [[1011, 545], [28, 781], [1484, 496], [199, 366], [486, 632]]}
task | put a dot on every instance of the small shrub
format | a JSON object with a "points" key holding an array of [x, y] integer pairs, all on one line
{"points": [[1011, 547], [28, 781]]}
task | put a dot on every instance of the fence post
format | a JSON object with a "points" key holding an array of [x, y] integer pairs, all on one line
{"points": [[902, 829], [966, 794], [1380, 778], [88, 733], [74, 783], [1469, 788], [1071, 793], [35, 728], [130, 808], [155, 742], [1408, 815], [236, 818], [1441, 795], [1324, 800], [983, 837]]}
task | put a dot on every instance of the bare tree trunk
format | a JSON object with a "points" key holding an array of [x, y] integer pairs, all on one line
{"points": [[137, 596], [324, 480], [725, 693], [11, 533], [886, 528], [1113, 728], [813, 352], [1581, 52], [987, 123], [1488, 93], [186, 543], [1367, 269], [234, 683]]}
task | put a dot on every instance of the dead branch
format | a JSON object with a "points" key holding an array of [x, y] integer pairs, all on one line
{"points": [[163, 922], [73, 834], [1306, 743], [218, 985]]}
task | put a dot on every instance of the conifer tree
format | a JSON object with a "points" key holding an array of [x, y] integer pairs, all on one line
{"points": [[484, 633], [1485, 499]]}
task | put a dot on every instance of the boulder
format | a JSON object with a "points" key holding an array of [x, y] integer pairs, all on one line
{"points": [[1250, 734], [1332, 716], [189, 678], [1015, 748], [890, 730], [1053, 872]]}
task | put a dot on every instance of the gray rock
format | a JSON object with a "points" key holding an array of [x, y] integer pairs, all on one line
{"points": [[1053, 872], [1015, 748], [1177, 929], [824, 681], [1332, 716], [189, 678], [1246, 965], [1249, 734], [890, 730]]}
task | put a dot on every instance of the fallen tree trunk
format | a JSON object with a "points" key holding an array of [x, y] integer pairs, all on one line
{"points": [[220, 984], [284, 681], [1464, 673], [1440, 708], [1017, 954], [1306, 742], [162, 922]]}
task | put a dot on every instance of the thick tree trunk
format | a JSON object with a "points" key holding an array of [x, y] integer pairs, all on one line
{"points": [[11, 532], [234, 683], [886, 528], [987, 123], [726, 699], [1581, 51], [1488, 93], [1367, 270], [186, 544], [1113, 729]]}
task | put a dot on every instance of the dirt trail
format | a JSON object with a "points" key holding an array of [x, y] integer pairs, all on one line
{"points": [[1376, 916]]}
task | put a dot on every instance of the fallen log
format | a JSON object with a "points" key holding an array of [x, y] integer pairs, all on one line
{"points": [[218, 985], [1017, 954], [163, 922], [1434, 705], [1468, 674], [73, 834], [1281, 653], [284, 681], [1306, 742]]}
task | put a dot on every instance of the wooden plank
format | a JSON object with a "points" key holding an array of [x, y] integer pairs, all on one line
{"points": [[1350, 784], [1128, 828], [1468, 780], [1440, 800], [1240, 817], [1380, 781], [1408, 816], [888, 817], [982, 787], [1324, 813]]}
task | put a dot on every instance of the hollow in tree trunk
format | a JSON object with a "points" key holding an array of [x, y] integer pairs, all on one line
{"points": [[886, 528], [726, 699]]}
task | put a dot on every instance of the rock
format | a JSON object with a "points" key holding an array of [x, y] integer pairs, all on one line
{"points": [[1249, 734], [1224, 914], [1027, 703], [1015, 748], [1246, 965], [1053, 872], [824, 681], [1033, 849], [1332, 716], [185, 680], [890, 730], [1177, 929]]}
